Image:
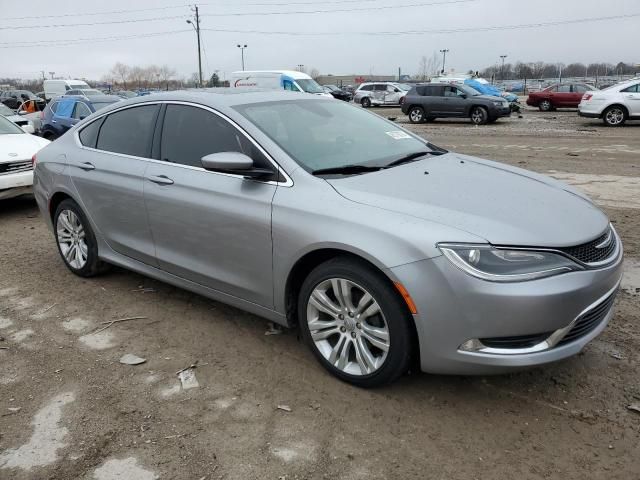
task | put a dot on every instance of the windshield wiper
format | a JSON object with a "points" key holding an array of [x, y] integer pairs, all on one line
{"points": [[413, 156], [346, 170]]}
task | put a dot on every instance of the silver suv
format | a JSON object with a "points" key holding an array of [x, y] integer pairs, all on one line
{"points": [[380, 93]]}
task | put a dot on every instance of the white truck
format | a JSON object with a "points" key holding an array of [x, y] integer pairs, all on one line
{"points": [[277, 80], [55, 88]]}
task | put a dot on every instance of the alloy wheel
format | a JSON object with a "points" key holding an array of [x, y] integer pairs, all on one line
{"points": [[614, 116], [416, 115], [71, 238], [477, 116], [545, 105], [347, 326]]}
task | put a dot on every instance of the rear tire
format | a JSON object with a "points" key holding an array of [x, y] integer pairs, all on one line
{"points": [[365, 102], [76, 241], [479, 115], [349, 334], [417, 115], [545, 106], [614, 116]]}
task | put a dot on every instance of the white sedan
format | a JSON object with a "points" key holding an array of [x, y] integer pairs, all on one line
{"points": [[16, 150], [614, 105]]}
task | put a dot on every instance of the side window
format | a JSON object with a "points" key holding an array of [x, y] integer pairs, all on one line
{"points": [[54, 107], [81, 111], [380, 88], [367, 88], [632, 89], [65, 109], [190, 133], [288, 85], [564, 88], [129, 131], [89, 134], [450, 91]]}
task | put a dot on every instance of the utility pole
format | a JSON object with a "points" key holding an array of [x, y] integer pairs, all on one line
{"points": [[444, 58], [52, 74], [197, 29], [502, 68]]}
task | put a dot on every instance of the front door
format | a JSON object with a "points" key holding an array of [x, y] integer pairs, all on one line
{"points": [[109, 177], [210, 228], [453, 101]]}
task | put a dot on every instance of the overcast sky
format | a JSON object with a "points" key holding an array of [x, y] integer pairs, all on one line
{"points": [[340, 50]]}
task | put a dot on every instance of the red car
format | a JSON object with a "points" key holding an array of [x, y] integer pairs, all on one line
{"points": [[562, 95]]}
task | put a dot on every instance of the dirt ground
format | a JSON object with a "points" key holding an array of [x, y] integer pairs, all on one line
{"points": [[70, 410]]}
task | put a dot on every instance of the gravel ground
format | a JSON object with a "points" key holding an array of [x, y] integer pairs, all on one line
{"points": [[70, 410]]}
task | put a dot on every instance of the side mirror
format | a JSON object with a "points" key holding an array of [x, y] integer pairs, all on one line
{"points": [[82, 117], [463, 95], [235, 163], [396, 90], [22, 112]]}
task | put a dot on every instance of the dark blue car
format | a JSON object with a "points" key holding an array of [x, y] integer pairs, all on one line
{"points": [[62, 113]]}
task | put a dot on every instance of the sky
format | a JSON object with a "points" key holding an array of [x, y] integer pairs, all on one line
{"points": [[338, 37]]}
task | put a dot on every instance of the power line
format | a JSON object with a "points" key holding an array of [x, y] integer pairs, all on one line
{"points": [[338, 10], [184, 5], [75, 41], [437, 31], [240, 14]]}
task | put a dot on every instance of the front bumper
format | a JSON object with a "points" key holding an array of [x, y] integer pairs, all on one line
{"points": [[455, 308], [14, 184]]}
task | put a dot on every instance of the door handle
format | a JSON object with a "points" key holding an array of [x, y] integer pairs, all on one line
{"points": [[54, 121], [161, 180], [87, 166]]}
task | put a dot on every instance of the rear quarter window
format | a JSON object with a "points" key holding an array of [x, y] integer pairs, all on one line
{"points": [[89, 134]]}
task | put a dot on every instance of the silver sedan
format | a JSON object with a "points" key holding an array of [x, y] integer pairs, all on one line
{"points": [[381, 247]]}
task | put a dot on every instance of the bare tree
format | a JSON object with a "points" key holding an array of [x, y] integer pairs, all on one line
{"points": [[166, 74], [314, 73], [121, 72]]}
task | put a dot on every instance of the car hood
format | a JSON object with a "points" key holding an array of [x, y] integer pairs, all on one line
{"points": [[20, 146], [502, 204], [489, 98]]}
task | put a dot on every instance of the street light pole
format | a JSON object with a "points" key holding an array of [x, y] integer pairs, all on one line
{"points": [[502, 68], [444, 58], [196, 27], [242, 47]]}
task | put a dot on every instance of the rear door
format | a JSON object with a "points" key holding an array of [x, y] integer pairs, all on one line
{"points": [[379, 93], [631, 98], [392, 95], [434, 100], [562, 96], [211, 228], [108, 173]]}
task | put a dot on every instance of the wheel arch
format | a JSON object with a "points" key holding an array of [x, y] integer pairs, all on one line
{"points": [[310, 260], [620, 105], [55, 200]]}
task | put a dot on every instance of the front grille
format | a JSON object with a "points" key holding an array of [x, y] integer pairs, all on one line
{"points": [[15, 167], [590, 320], [522, 341], [595, 251]]}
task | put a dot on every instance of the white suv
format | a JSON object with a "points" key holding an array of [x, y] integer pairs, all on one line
{"points": [[615, 105], [380, 93]]}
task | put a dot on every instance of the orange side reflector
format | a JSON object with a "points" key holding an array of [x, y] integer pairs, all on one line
{"points": [[407, 298]]}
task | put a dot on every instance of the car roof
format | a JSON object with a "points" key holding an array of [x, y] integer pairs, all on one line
{"points": [[218, 97], [93, 98]]}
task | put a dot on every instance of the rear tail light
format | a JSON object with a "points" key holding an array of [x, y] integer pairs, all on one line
{"points": [[41, 114], [587, 96]]}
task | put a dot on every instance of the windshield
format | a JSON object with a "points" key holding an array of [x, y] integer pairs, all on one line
{"points": [[4, 110], [310, 86], [469, 90], [9, 128], [319, 134]]}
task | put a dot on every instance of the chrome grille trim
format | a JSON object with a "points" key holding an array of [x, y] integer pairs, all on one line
{"points": [[15, 167]]}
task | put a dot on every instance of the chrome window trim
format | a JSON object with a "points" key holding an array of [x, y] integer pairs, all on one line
{"points": [[287, 183], [475, 346]]}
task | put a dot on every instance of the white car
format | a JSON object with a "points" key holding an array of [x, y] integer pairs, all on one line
{"points": [[614, 105], [380, 93], [16, 151], [19, 120]]}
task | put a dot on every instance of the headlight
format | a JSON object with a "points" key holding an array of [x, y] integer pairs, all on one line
{"points": [[506, 265]]}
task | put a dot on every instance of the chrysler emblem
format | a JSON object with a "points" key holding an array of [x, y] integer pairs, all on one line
{"points": [[13, 154]]}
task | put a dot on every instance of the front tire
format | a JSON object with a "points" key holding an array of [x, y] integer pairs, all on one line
{"points": [[355, 322], [365, 102], [479, 116], [76, 241], [614, 116], [416, 115]]}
